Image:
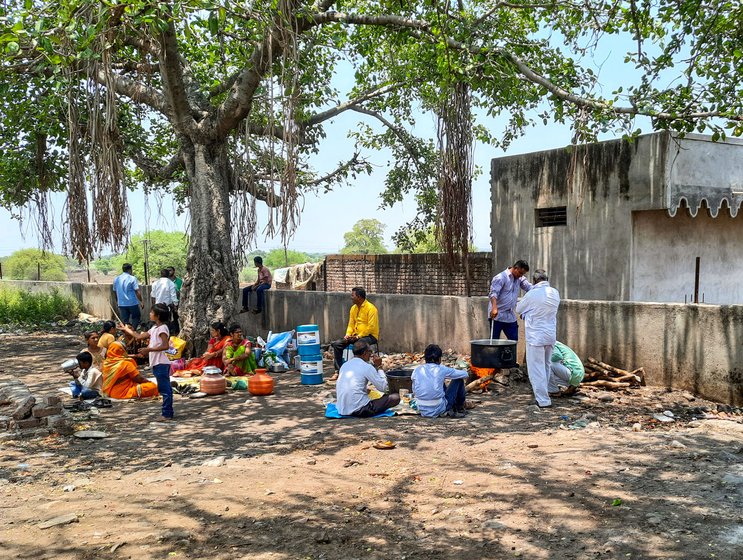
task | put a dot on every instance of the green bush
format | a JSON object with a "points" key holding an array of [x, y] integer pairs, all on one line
{"points": [[21, 306], [26, 264]]}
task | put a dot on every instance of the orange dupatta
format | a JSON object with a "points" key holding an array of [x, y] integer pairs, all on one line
{"points": [[119, 373]]}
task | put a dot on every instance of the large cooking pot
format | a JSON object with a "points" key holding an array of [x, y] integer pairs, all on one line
{"points": [[493, 353]]}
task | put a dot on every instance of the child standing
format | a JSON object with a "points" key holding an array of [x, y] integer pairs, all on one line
{"points": [[159, 337]]}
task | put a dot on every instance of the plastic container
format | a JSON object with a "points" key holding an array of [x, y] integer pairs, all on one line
{"points": [[308, 350], [308, 335], [311, 364], [311, 379]]}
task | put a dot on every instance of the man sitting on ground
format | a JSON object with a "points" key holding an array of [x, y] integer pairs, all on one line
{"points": [[566, 371], [363, 324], [86, 384], [432, 396], [355, 374]]}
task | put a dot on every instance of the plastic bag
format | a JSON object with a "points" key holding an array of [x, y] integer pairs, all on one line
{"points": [[175, 351], [279, 341]]}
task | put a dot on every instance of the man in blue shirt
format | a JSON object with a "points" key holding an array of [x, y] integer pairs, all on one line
{"points": [[433, 397], [504, 293], [128, 296]]}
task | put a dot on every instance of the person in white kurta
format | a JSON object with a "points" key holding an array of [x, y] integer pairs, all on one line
{"points": [[539, 311]]}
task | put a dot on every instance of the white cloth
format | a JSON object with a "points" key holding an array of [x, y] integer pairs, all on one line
{"points": [[559, 377], [163, 290], [91, 378], [351, 385], [538, 363], [158, 358], [428, 387], [539, 310]]}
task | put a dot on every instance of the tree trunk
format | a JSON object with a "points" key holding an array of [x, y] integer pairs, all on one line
{"points": [[210, 285]]}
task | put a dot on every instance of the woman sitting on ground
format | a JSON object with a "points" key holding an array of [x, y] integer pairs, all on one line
{"points": [[108, 334], [213, 355], [98, 353], [121, 378], [238, 355]]}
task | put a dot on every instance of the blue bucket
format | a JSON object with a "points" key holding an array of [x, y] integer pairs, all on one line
{"points": [[308, 350], [315, 379], [308, 334], [311, 365]]}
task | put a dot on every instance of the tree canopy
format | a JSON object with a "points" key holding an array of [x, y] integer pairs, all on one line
{"points": [[365, 238], [34, 264], [223, 103], [164, 249]]}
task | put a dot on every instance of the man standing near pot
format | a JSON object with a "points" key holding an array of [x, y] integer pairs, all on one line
{"points": [[539, 310], [504, 293]]}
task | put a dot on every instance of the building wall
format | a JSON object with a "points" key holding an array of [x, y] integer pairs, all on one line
{"points": [[665, 250], [407, 274], [692, 347], [601, 185]]}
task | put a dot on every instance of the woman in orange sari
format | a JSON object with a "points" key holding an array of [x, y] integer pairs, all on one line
{"points": [[121, 378], [213, 355]]}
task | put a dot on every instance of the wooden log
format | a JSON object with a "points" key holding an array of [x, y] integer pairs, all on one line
{"points": [[477, 383], [607, 384], [608, 367], [640, 372]]}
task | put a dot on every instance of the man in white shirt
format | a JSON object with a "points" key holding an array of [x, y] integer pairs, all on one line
{"points": [[354, 375], [539, 310], [164, 291], [433, 398]]}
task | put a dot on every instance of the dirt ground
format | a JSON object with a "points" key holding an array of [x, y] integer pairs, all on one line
{"points": [[270, 478]]}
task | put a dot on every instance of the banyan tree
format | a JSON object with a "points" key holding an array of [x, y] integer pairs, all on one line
{"points": [[222, 104]]}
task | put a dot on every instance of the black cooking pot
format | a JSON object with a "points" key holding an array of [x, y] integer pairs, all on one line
{"points": [[399, 379], [495, 353]]}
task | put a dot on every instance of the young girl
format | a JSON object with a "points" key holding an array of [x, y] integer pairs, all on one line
{"points": [[238, 357], [159, 337]]}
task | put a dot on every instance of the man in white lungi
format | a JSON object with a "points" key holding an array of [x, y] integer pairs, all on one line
{"points": [[539, 311]]}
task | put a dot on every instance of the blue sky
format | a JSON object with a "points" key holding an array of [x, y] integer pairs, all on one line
{"points": [[326, 217]]}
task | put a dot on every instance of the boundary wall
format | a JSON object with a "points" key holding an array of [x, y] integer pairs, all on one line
{"points": [[698, 348]]}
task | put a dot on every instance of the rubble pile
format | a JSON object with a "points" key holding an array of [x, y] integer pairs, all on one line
{"points": [[23, 414]]}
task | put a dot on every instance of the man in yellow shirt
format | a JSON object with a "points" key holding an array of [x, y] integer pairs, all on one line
{"points": [[363, 324]]}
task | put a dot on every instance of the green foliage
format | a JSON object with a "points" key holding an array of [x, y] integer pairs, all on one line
{"points": [[365, 238], [104, 265], [530, 63], [276, 259], [164, 248], [21, 306], [24, 265], [421, 241]]}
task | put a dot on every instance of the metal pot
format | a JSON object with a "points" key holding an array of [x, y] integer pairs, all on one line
{"points": [[211, 370], [69, 364], [489, 353]]}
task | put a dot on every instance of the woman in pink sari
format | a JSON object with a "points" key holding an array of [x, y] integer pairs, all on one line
{"points": [[213, 355]]}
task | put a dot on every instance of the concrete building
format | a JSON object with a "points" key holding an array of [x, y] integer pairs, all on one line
{"points": [[626, 221]]}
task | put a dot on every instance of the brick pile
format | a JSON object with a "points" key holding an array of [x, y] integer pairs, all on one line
{"points": [[408, 274], [23, 414]]}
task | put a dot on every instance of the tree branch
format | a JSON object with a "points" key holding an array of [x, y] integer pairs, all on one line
{"points": [[340, 170], [174, 85], [351, 103], [401, 133], [153, 170], [260, 192]]}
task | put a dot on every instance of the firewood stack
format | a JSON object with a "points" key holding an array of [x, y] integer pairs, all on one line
{"points": [[605, 376]]}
